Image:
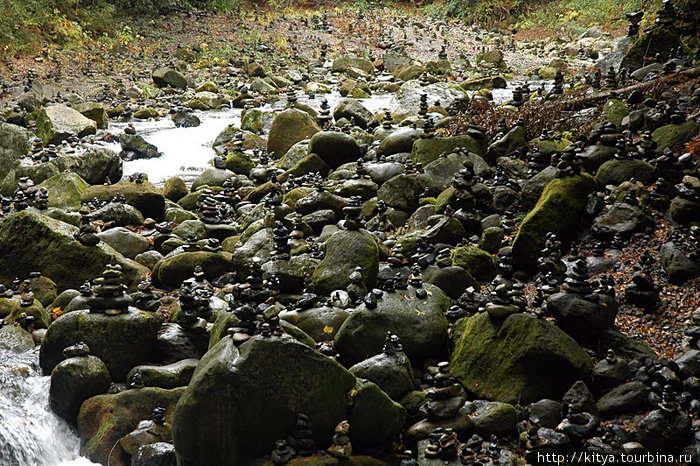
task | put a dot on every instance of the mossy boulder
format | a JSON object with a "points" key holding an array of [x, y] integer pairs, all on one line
{"points": [[65, 190], [558, 210], [48, 245], [334, 148], [14, 338], [312, 163], [343, 64], [661, 40], [172, 271], [479, 263], [485, 82], [57, 122], [11, 310], [104, 419], [614, 172], [346, 250], [374, 419], [402, 192], [532, 190], [318, 322], [174, 189], [135, 146], [95, 165], [408, 71], [14, 140], [520, 360], [614, 111], [674, 136], [242, 399], [289, 127], [352, 109], [391, 372], [177, 374], [121, 342], [94, 111], [73, 381], [239, 163], [144, 196], [400, 140], [257, 121], [419, 323], [164, 77], [550, 146], [513, 140], [428, 150]]}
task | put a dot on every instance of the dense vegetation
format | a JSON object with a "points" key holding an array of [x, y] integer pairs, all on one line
{"points": [[28, 24]]}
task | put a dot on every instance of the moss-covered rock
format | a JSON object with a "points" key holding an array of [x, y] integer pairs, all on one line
{"points": [[239, 163], [513, 140], [615, 172], [375, 418], [57, 122], [144, 196], [402, 192], [172, 271], [346, 250], [65, 190], [479, 263], [550, 146], [419, 323], [400, 140], [48, 245], [174, 189], [352, 109], [674, 136], [122, 341], [486, 82], [334, 148], [289, 127], [11, 309], [94, 111], [312, 163], [104, 419], [345, 63], [614, 111], [94, 166], [73, 381], [319, 323], [427, 150], [242, 399], [521, 360], [661, 40], [408, 71], [14, 338], [558, 210], [257, 121], [164, 77], [177, 374]]}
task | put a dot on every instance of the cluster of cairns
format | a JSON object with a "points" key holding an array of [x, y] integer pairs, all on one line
{"points": [[368, 284]]}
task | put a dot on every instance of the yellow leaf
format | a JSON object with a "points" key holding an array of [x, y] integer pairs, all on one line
{"points": [[418, 311], [327, 329]]}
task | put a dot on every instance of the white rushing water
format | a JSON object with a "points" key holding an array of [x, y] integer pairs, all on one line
{"points": [[30, 433]]}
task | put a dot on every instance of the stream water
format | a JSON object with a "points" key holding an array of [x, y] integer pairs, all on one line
{"points": [[30, 433]]}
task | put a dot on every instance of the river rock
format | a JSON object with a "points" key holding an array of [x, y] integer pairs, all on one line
{"points": [[624, 398], [346, 250], [614, 172], [122, 341], [428, 150], [95, 165], [352, 108], [674, 136], [94, 111], [513, 140], [73, 381], [453, 280], [512, 361], [174, 189], [155, 454], [11, 310], [402, 192], [173, 270], [118, 213], [391, 372], [289, 127], [319, 322], [407, 99], [582, 318], [104, 419], [346, 63], [676, 263], [136, 147], [65, 190], [164, 77], [558, 210], [246, 419], [217, 176], [57, 122], [334, 148], [48, 245], [400, 140], [622, 219], [126, 242], [177, 374], [546, 413], [478, 263], [144, 196], [14, 338], [494, 418], [419, 323]]}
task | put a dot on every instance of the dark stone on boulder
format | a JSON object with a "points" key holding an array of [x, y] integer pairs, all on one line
{"points": [[334, 148], [581, 318], [352, 108]]}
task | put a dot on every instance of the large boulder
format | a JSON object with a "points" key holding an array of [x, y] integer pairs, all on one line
{"points": [[289, 127], [95, 165], [48, 245], [520, 360], [615, 172], [163, 77], [243, 399], [407, 99], [674, 136], [400, 140], [346, 250], [391, 372], [334, 148], [14, 338], [621, 219], [346, 63], [582, 317], [172, 271], [177, 374], [73, 381], [402, 192], [353, 109], [513, 140], [558, 210], [479, 263], [136, 147], [428, 150], [94, 111], [57, 122], [419, 323], [104, 419], [122, 341], [65, 190], [128, 243], [661, 40], [144, 196]]}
